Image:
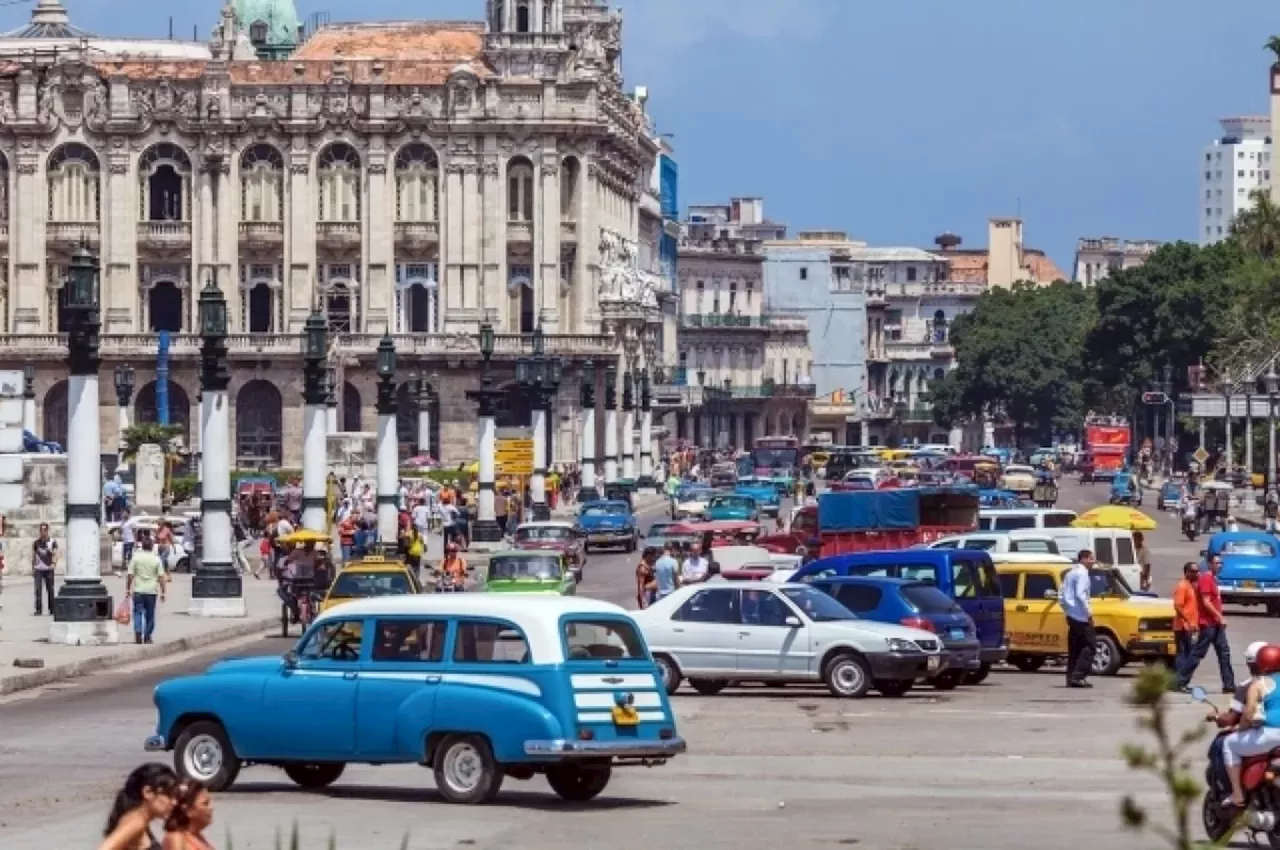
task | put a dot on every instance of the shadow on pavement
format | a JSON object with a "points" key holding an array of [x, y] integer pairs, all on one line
{"points": [[532, 800]]}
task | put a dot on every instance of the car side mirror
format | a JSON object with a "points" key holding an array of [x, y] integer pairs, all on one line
{"points": [[1051, 594], [291, 659], [792, 622]]}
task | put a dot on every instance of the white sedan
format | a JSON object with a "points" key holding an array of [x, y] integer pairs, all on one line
{"points": [[721, 632], [1018, 479], [693, 507]]}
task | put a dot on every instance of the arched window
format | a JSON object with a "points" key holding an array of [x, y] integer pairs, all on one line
{"points": [[262, 184], [258, 32], [259, 425], [570, 172], [520, 190], [524, 16], [145, 408], [261, 309], [939, 326], [339, 183], [417, 184], [351, 408], [164, 307], [55, 415], [74, 184], [165, 172]]}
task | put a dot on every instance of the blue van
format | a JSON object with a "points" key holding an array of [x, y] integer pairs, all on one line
{"points": [[966, 575]]}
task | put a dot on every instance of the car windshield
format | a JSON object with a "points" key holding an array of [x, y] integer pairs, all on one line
{"points": [[605, 510], [358, 584], [1257, 548], [544, 533], [1172, 490], [588, 639], [728, 502], [689, 494], [512, 568], [1106, 583], [816, 605], [927, 599], [659, 529]]}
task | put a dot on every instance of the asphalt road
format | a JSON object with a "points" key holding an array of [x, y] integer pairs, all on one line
{"points": [[1018, 760]]}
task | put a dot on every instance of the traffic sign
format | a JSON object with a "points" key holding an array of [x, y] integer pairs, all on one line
{"points": [[1200, 455], [514, 456], [1154, 398]]}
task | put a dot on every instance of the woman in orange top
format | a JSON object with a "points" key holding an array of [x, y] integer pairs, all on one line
{"points": [[1186, 611]]}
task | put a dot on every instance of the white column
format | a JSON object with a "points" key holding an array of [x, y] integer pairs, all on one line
{"points": [[424, 431], [29, 417], [388, 473], [1248, 443], [217, 537], [485, 531], [331, 419], [84, 545], [314, 441], [589, 449], [538, 481], [646, 447], [610, 445], [629, 445]]}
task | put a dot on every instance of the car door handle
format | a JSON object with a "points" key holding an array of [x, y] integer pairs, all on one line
{"points": [[433, 680], [350, 675], [744, 634], [679, 631], [1021, 608]]}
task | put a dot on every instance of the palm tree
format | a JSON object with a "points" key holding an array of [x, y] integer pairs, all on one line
{"points": [[1258, 228], [163, 436], [1273, 44]]}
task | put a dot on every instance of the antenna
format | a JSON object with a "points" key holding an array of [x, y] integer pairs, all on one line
{"points": [[171, 27]]}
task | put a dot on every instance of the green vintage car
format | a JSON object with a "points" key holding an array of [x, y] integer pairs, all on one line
{"points": [[523, 571]]}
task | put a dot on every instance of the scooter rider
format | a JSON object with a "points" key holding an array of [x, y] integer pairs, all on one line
{"points": [[1230, 716], [1258, 729], [453, 569], [1190, 514]]}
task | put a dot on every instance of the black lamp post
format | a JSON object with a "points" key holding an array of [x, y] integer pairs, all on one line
{"points": [[124, 386], [29, 382], [315, 395], [215, 576], [1170, 438], [387, 404], [587, 400], [485, 529], [82, 610], [539, 376]]}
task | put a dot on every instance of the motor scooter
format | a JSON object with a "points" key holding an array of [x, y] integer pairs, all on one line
{"points": [[1191, 527], [1262, 796]]}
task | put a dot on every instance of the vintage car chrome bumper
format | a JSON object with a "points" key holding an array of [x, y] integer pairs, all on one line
{"points": [[155, 744], [596, 749]]}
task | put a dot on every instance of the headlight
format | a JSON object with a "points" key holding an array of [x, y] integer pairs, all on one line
{"points": [[900, 645]]}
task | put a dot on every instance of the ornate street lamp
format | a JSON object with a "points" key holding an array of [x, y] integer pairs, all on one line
{"points": [[485, 529], [29, 381], [315, 396], [388, 456], [539, 377], [124, 385]]}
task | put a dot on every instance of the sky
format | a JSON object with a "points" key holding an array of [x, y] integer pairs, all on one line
{"points": [[898, 120]]}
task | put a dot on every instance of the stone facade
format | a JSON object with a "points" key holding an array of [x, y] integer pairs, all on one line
{"points": [[44, 487], [408, 178]]}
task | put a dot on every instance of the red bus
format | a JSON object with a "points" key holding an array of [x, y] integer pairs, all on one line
{"points": [[775, 457]]}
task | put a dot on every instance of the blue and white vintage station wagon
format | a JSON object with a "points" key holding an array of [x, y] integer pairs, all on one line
{"points": [[478, 686]]}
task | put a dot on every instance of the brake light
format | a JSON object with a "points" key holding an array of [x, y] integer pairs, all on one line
{"points": [[918, 623]]}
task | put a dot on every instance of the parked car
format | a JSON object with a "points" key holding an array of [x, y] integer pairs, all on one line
{"points": [[918, 605], [553, 536], [762, 492], [732, 507], [723, 633], [530, 571], [965, 575], [1250, 568], [1129, 628], [479, 686], [608, 523]]}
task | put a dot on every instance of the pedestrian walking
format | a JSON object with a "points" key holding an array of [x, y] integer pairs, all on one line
{"points": [[665, 572], [1080, 633], [147, 796], [128, 537], [44, 558], [1213, 630], [1186, 613], [143, 584], [1271, 507], [1144, 560], [192, 814]]}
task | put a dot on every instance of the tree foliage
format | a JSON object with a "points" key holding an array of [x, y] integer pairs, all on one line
{"points": [[1019, 355], [136, 436]]}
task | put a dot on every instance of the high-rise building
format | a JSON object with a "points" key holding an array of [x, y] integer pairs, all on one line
{"points": [[1232, 167]]}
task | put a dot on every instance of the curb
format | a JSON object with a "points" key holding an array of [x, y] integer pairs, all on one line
{"points": [[122, 657]]}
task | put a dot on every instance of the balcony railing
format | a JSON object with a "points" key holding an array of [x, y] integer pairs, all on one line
{"points": [[268, 232], [774, 390], [519, 231], [722, 320], [415, 232], [344, 232], [918, 413], [165, 232], [73, 232]]}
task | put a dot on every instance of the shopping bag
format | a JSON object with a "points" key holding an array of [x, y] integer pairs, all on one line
{"points": [[124, 612]]}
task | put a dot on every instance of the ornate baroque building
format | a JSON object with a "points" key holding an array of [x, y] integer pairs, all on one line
{"points": [[417, 178]]}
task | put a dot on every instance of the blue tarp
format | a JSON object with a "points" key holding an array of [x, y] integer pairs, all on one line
{"points": [[869, 510]]}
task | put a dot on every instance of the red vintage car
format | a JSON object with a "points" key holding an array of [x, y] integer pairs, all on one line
{"points": [[720, 532], [555, 536]]}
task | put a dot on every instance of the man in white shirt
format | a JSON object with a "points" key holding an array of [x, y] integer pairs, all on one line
{"points": [[695, 566], [1074, 599], [422, 518], [128, 538]]}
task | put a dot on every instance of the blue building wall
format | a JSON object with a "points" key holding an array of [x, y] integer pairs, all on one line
{"points": [[798, 279], [669, 196]]}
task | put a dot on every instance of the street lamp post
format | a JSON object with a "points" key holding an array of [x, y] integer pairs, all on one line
{"points": [[485, 529], [388, 443], [124, 395], [1170, 435], [82, 612], [587, 398], [331, 400], [1273, 387], [427, 389], [315, 437], [1248, 435], [539, 376], [29, 398], [216, 588], [1226, 397], [611, 424], [628, 426], [647, 480], [704, 408]]}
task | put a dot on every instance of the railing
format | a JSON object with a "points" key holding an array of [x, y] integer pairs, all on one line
{"points": [[917, 414], [748, 247], [568, 230], [340, 231], [72, 231], [519, 231], [262, 230], [773, 390], [722, 320], [418, 231], [165, 231]]}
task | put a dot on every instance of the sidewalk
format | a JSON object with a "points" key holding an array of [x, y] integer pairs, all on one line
{"points": [[24, 636]]}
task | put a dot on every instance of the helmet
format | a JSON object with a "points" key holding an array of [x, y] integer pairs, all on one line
{"points": [[1252, 650], [1269, 659], [451, 547]]}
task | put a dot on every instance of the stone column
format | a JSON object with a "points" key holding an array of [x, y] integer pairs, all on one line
{"points": [[300, 236], [628, 427], [424, 416], [485, 530], [314, 422], [388, 445], [587, 398], [82, 612], [538, 481], [547, 238], [29, 400], [378, 279], [610, 424], [217, 589]]}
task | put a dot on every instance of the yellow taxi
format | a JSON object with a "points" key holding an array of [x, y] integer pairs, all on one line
{"points": [[370, 577], [1129, 628]]}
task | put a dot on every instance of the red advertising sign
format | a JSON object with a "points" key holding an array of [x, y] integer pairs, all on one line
{"points": [[1102, 436]]}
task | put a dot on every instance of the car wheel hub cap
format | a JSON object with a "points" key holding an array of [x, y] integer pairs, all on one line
{"points": [[1101, 657], [204, 757], [848, 677], [463, 768]]}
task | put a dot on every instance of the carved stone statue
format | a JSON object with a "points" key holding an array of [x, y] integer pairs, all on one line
{"points": [[96, 102]]}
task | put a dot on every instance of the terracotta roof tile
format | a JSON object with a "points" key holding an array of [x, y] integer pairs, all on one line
{"points": [[192, 69], [1043, 269], [416, 41], [967, 268]]}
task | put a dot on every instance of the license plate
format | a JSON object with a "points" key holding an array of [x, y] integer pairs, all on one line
{"points": [[934, 662], [957, 634], [625, 715], [1249, 584]]}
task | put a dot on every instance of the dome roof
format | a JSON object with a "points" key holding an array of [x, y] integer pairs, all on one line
{"points": [[280, 16], [49, 19]]}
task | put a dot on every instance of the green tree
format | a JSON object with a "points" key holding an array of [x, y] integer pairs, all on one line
{"points": [[1257, 228], [136, 436], [1273, 44], [1019, 356]]}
